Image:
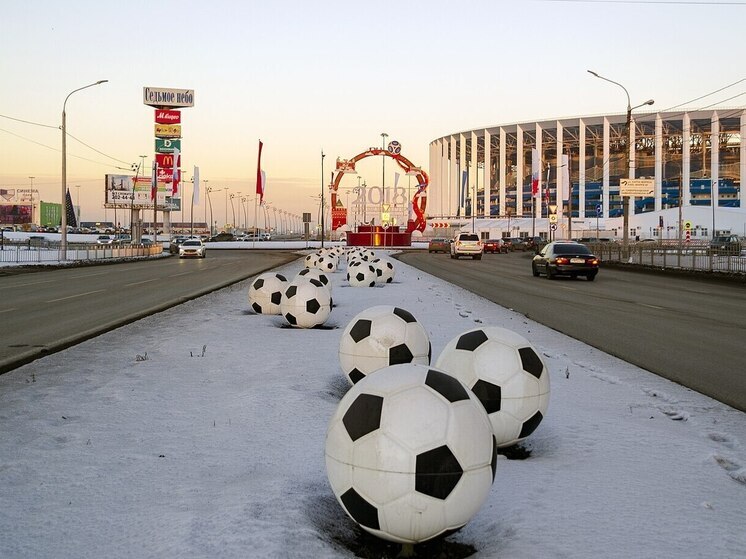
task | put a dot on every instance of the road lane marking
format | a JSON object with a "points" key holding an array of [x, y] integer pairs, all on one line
{"points": [[181, 274], [8, 310], [90, 275], [78, 295], [141, 282], [26, 283], [652, 306]]}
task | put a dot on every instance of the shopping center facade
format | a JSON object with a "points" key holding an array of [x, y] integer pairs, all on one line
{"points": [[692, 157]]}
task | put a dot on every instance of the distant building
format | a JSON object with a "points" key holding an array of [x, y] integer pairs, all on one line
{"points": [[693, 157]]}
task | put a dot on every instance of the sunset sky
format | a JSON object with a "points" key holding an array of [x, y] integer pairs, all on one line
{"points": [[306, 76]]}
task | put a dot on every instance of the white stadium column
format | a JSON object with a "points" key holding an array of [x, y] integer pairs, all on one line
{"points": [[658, 191], [502, 170], [473, 171], [453, 182], [461, 168], [519, 172], [487, 172], [686, 158], [539, 195], [581, 171], [715, 164], [607, 138], [558, 181]]}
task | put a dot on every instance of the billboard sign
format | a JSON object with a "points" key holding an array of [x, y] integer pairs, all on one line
{"points": [[636, 187], [167, 130], [15, 214], [163, 97], [167, 117], [166, 161], [163, 145]]}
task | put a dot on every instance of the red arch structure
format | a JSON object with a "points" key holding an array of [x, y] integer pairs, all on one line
{"points": [[419, 200]]}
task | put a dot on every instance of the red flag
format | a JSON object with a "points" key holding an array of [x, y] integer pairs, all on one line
{"points": [[175, 176], [154, 182], [259, 178]]}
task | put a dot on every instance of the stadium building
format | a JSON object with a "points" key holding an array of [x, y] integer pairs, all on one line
{"points": [[692, 157]]}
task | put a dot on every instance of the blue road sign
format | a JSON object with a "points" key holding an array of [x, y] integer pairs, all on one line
{"points": [[599, 210]]}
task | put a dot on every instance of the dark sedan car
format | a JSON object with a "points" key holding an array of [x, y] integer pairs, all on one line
{"points": [[565, 258], [439, 245], [495, 245]]}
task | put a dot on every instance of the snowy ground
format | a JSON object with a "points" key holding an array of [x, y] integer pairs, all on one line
{"points": [[135, 444]]}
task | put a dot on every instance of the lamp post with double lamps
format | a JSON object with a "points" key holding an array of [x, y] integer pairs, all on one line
{"points": [[631, 171], [63, 212]]}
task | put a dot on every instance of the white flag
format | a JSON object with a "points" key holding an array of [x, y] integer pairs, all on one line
{"points": [[195, 189], [565, 182]]}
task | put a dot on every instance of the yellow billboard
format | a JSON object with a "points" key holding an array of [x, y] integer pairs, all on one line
{"points": [[168, 130]]}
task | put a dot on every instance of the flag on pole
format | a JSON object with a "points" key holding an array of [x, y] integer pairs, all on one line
{"points": [[154, 181], [195, 188], [260, 177], [396, 179], [175, 175], [535, 172], [70, 210]]}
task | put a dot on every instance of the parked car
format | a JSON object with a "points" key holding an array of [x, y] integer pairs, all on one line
{"points": [[726, 244], [535, 243], [222, 237], [519, 243], [467, 244], [439, 244], [192, 247], [495, 245], [566, 258], [173, 246], [104, 240]]}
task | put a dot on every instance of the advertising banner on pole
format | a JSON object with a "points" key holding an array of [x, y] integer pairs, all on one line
{"points": [[167, 117], [163, 145], [167, 130]]}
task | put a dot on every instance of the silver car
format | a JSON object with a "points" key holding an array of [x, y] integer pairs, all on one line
{"points": [[192, 248]]}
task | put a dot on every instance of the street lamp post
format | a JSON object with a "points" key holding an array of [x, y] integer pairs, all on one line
{"points": [[209, 202], [630, 108], [32, 200], [63, 228], [322, 198], [233, 209]]}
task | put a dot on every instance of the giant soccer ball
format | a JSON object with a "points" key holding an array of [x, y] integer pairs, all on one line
{"points": [[384, 270], [508, 376], [311, 260], [316, 274], [361, 275], [306, 303], [410, 454], [265, 293], [327, 262], [381, 336]]}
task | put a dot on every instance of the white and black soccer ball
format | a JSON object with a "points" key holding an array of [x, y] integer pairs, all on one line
{"points": [[306, 303], [394, 147], [265, 293], [381, 336], [311, 260], [362, 275], [384, 270], [315, 273], [327, 263], [410, 454], [508, 376]]}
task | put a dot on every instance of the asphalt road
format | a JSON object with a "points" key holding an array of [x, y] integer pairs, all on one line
{"points": [[45, 311], [688, 330]]}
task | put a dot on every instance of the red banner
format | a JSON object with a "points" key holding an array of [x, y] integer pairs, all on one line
{"points": [[339, 217], [166, 161], [167, 117]]}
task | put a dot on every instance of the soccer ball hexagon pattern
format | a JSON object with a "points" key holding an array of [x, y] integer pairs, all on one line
{"points": [[306, 303], [362, 275], [265, 293], [384, 270], [410, 453], [381, 336], [508, 376], [316, 274], [327, 263]]}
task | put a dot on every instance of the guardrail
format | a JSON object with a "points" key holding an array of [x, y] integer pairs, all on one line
{"points": [[28, 252], [693, 257]]}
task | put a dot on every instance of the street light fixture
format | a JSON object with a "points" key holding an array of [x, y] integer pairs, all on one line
{"points": [[63, 211], [630, 108]]}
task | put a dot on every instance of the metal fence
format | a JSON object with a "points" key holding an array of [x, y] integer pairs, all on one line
{"points": [[694, 257], [51, 252]]}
